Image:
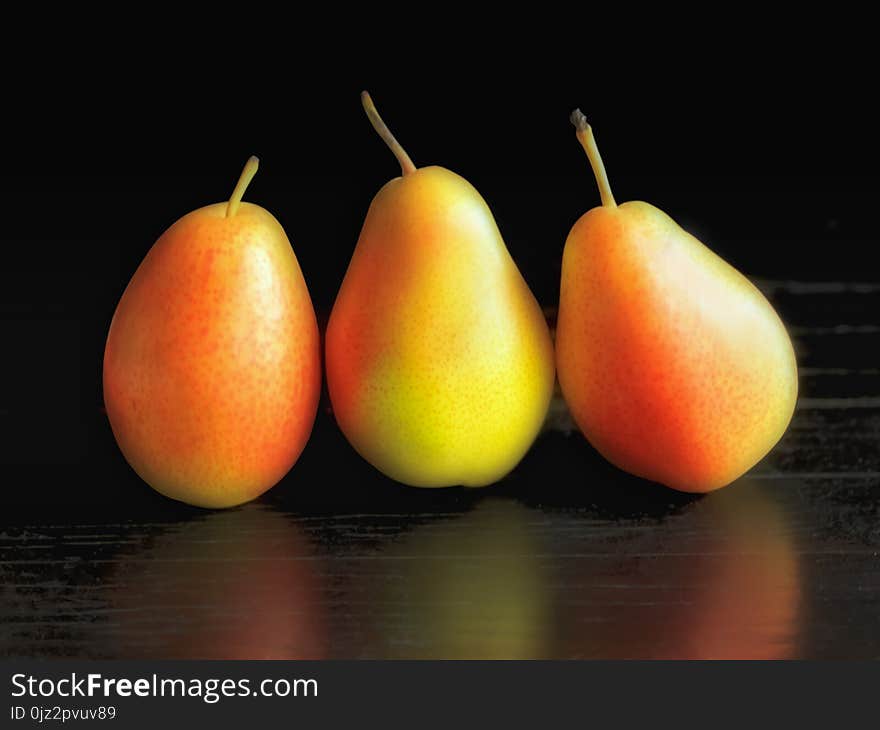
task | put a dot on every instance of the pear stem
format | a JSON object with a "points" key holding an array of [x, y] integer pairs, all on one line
{"points": [[250, 169], [406, 164], [588, 142]]}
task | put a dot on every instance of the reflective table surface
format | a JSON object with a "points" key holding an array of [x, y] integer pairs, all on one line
{"points": [[566, 558]]}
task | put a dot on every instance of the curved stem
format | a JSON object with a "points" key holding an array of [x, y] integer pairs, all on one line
{"points": [[588, 142], [406, 164], [250, 169]]}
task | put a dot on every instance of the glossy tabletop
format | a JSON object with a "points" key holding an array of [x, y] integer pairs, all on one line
{"points": [[566, 558]]}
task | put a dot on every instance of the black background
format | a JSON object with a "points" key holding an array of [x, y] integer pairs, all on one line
{"points": [[762, 147]]}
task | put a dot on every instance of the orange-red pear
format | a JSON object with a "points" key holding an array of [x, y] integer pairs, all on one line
{"points": [[212, 366], [674, 365]]}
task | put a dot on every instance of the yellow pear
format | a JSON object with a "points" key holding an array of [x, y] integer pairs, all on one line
{"points": [[439, 359]]}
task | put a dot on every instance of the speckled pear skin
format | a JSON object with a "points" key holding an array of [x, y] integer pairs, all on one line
{"points": [[674, 365], [439, 360], [212, 365]]}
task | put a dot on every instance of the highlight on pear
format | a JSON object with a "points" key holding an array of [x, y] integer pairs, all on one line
{"points": [[212, 368], [439, 359], [674, 365]]}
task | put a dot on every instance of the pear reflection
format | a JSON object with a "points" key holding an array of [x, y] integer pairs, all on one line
{"points": [[718, 581], [470, 587], [229, 585]]}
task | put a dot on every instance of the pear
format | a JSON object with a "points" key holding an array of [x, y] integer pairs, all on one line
{"points": [[439, 360], [674, 365], [212, 367]]}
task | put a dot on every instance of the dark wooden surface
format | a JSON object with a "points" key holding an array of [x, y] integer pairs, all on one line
{"points": [[567, 558]]}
